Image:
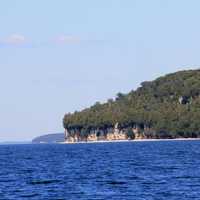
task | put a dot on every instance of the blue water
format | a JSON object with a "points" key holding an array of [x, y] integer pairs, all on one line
{"points": [[131, 170]]}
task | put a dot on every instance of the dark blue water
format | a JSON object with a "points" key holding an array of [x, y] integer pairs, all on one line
{"points": [[132, 170]]}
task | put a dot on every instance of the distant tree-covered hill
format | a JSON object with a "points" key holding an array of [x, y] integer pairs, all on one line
{"points": [[49, 138], [168, 107]]}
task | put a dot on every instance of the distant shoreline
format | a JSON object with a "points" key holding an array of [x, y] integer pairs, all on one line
{"points": [[136, 140]]}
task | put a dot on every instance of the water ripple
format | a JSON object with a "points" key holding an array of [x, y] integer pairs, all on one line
{"points": [[118, 171]]}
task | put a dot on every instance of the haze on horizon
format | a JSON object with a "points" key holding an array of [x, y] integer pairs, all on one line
{"points": [[62, 56]]}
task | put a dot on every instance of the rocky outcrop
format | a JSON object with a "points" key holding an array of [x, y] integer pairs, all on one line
{"points": [[116, 136], [107, 134], [92, 137]]}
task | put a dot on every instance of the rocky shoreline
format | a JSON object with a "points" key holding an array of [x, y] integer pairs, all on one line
{"points": [[116, 134], [136, 140]]}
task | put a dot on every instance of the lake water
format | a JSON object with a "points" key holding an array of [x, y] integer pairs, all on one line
{"points": [[129, 170]]}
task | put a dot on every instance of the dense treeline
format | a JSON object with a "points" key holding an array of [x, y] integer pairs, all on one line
{"points": [[168, 106]]}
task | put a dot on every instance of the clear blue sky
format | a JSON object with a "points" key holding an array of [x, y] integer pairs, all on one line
{"points": [[61, 56]]}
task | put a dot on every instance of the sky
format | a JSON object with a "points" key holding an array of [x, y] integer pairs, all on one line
{"points": [[61, 56]]}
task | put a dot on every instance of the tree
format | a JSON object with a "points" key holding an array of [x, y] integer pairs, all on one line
{"points": [[130, 134], [120, 96]]}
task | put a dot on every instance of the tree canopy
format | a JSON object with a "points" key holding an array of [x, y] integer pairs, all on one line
{"points": [[169, 105]]}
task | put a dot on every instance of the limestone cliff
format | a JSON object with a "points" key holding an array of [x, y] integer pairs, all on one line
{"points": [[108, 134]]}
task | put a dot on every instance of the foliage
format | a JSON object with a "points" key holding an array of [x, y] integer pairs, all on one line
{"points": [[156, 105]]}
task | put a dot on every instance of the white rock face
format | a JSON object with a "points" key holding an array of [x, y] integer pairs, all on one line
{"points": [[112, 134]]}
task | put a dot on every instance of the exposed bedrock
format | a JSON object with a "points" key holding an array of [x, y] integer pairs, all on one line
{"points": [[109, 133]]}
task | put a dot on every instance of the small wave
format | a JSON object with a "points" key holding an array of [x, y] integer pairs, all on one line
{"points": [[7, 180], [27, 170], [116, 182], [186, 177], [28, 158], [154, 183], [29, 195], [39, 182]]}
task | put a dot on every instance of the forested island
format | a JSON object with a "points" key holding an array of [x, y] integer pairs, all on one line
{"points": [[166, 108]]}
